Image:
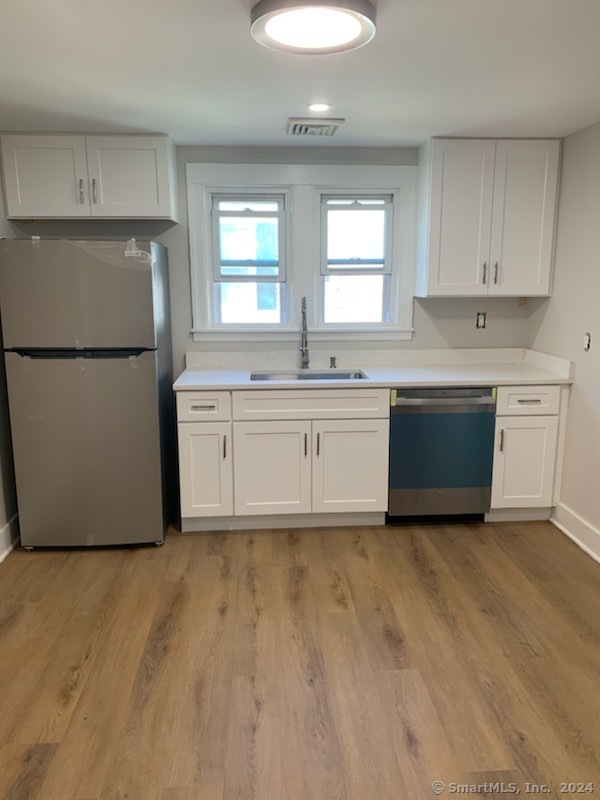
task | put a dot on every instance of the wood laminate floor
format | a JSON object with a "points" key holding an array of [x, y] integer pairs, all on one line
{"points": [[355, 664]]}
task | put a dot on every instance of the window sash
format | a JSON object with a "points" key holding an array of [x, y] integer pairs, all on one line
{"points": [[219, 263], [356, 204]]}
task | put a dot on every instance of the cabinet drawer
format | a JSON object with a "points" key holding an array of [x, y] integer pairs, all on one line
{"points": [[312, 404], [523, 400], [203, 406]]}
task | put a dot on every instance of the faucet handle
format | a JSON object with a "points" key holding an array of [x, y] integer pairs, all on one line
{"points": [[332, 362]]}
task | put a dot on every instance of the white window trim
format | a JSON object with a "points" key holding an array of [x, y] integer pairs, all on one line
{"points": [[305, 184]]}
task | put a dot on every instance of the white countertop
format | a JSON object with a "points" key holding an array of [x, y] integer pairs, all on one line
{"points": [[464, 374]]}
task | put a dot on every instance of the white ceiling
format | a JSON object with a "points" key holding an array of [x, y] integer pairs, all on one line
{"points": [[191, 69]]}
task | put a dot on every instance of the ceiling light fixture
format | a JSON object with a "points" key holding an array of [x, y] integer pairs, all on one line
{"points": [[319, 107], [314, 27]]}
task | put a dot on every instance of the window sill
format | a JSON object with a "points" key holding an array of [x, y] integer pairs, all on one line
{"points": [[319, 335]]}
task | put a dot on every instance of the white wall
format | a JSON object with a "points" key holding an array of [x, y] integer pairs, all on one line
{"points": [[439, 323], [559, 327]]}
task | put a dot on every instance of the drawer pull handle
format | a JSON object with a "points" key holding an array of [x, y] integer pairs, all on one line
{"points": [[305, 445], [318, 443], [532, 402], [502, 440], [203, 408], [225, 445]]}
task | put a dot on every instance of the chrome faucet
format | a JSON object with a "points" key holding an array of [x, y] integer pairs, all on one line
{"points": [[304, 337]]}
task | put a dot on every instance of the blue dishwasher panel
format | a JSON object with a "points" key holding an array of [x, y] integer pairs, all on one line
{"points": [[430, 451]]}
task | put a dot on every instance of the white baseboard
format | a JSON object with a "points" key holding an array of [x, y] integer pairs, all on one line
{"points": [[9, 536], [283, 521], [579, 530]]}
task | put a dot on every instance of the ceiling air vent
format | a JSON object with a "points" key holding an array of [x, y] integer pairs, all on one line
{"points": [[297, 126]]}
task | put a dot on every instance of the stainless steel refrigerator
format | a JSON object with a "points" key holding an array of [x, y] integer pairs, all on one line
{"points": [[87, 348]]}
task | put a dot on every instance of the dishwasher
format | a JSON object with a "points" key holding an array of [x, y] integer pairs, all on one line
{"points": [[441, 452]]}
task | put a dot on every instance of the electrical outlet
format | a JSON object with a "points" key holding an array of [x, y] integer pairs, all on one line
{"points": [[481, 319]]}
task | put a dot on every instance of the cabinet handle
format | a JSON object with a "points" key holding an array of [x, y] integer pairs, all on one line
{"points": [[529, 402], [502, 440], [496, 272], [224, 445], [81, 198], [203, 408], [94, 191], [318, 443], [484, 272], [305, 445]]}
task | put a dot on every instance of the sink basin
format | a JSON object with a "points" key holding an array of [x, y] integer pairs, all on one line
{"points": [[309, 375]]}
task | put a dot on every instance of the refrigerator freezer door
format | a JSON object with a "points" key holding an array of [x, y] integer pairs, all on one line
{"points": [[76, 294], [86, 450]]}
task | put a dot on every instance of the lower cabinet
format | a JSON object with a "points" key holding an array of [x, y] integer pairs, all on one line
{"points": [[525, 444], [302, 467], [205, 469], [304, 456]]}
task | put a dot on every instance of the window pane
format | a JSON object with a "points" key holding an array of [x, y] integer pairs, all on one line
{"points": [[354, 298], [355, 233], [248, 239], [249, 302]]}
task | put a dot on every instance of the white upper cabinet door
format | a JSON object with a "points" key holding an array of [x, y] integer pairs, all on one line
{"points": [[129, 176], [525, 192], [462, 181], [272, 467], [350, 465], [45, 176]]}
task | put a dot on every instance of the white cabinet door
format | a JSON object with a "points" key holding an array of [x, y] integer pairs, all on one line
{"points": [[491, 207], [205, 469], [45, 176], [525, 190], [272, 467], [350, 465], [462, 181], [524, 462], [129, 176]]}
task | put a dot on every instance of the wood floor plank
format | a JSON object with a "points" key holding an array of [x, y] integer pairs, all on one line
{"points": [[379, 623], [312, 767], [366, 728]]}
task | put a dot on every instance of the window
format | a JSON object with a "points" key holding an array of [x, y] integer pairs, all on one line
{"points": [[248, 259], [356, 261], [262, 236]]}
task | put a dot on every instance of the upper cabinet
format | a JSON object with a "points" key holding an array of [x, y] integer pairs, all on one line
{"points": [[486, 217], [68, 177]]}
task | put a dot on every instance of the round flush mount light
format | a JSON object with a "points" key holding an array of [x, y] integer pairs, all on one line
{"points": [[319, 107], [316, 27]]}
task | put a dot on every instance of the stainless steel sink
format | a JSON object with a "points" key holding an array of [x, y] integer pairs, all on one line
{"points": [[309, 375]]}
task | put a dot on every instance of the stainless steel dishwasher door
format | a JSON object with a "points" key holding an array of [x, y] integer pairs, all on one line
{"points": [[441, 451]]}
